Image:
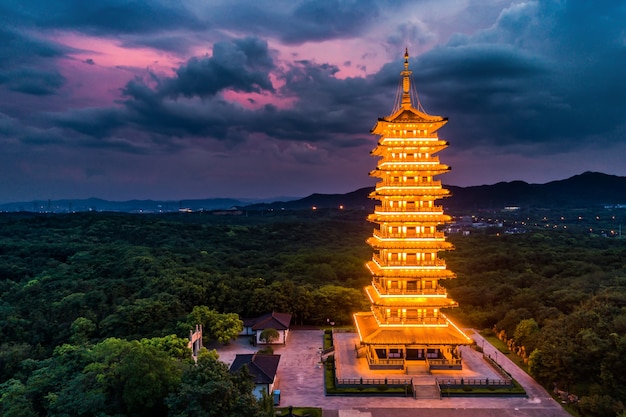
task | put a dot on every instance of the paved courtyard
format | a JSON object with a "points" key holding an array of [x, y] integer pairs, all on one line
{"points": [[301, 382]]}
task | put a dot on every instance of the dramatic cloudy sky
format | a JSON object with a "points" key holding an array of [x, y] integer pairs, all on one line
{"points": [[179, 99]]}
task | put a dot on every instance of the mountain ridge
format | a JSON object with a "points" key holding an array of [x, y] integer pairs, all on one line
{"points": [[583, 190]]}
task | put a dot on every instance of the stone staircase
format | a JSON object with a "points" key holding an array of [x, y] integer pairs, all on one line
{"points": [[426, 392], [417, 369], [425, 389]]}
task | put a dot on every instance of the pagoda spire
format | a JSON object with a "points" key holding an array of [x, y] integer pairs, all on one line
{"points": [[406, 82]]}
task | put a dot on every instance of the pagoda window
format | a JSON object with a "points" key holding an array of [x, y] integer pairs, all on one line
{"points": [[432, 353], [395, 353], [411, 285]]}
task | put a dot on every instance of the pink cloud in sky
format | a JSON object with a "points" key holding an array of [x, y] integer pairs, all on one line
{"points": [[100, 67], [91, 85], [109, 53], [347, 55], [255, 100]]}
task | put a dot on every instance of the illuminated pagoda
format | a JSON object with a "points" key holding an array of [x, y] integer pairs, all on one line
{"points": [[406, 327]]}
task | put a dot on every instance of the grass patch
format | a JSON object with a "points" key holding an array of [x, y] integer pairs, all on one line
{"points": [[490, 391], [301, 411], [499, 344], [328, 340], [364, 390]]}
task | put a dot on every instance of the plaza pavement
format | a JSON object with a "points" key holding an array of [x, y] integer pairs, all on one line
{"points": [[301, 382]]}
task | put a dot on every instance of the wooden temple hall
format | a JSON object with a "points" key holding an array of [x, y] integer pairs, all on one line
{"points": [[406, 326]]}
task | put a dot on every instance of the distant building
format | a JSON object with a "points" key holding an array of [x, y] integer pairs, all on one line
{"points": [[261, 367], [278, 321]]}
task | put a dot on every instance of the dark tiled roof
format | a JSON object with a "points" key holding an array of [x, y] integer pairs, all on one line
{"points": [[262, 367], [278, 321]]}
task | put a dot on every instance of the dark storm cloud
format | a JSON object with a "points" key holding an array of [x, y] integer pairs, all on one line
{"points": [[242, 65], [325, 110], [22, 62], [188, 105], [297, 22], [414, 33], [332, 19], [102, 16], [20, 46], [328, 108], [532, 79], [180, 42], [94, 122], [32, 81]]}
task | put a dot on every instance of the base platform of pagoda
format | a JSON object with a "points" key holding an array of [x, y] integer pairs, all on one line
{"points": [[398, 346]]}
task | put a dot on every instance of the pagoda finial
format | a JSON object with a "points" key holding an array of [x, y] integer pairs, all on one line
{"points": [[406, 81]]}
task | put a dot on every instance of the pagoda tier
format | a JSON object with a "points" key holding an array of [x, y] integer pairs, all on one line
{"points": [[405, 292]]}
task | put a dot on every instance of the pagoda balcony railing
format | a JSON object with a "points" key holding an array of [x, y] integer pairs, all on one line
{"points": [[407, 263], [403, 291], [412, 162], [431, 184], [414, 192], [433, 321], [429, 166], [386, 235], [433, 210]]}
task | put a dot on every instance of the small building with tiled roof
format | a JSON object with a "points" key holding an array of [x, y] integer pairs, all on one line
{"points": [[278, 321], [262, 368]]}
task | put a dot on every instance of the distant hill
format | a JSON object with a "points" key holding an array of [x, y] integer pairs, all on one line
{"points": [[589, 189], [354, 200], [131, 206], [585, 190]]}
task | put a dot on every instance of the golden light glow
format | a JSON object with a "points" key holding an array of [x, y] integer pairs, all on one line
{"points": [[469, 339], [405, 267]]}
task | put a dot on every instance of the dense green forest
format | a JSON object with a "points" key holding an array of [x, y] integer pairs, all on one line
{"points": [[91, 302]]}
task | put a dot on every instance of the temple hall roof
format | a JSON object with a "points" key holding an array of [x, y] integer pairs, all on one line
{"points": [[371, 334], [278, 321], [262, 367]]}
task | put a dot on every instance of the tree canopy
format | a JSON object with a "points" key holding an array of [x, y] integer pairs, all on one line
{"points": [[89, 302]]}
